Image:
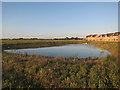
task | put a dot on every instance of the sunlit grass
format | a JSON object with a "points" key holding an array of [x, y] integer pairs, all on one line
{"points": [[33, 71]]}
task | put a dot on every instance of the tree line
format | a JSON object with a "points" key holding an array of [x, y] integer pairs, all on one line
{"points": [[66, 38]]}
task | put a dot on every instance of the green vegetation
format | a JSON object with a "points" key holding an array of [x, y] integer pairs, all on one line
{"points": [[111, 46], [20, 71], [10, 44]]}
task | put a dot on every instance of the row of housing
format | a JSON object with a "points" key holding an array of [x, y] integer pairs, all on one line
{"points": [[104, 37]]}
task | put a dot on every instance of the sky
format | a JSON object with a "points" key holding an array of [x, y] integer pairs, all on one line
{"points": [[58, 19]]}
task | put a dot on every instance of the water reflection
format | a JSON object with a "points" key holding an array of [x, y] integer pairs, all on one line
{"points": [[74, 50]]}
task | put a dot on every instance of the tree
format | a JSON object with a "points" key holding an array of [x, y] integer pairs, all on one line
{"points": [[72, 38], [66, 38]]}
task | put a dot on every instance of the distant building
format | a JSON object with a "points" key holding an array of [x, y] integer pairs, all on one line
{"points": [[116, 36], [104, 37], [101, 37], [95, 37], [88, 38]]}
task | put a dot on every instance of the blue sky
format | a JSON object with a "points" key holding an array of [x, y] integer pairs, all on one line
{"points": [[60, 19]]}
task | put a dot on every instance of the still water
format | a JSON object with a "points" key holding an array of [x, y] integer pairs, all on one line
{"points": [[74, 50]]}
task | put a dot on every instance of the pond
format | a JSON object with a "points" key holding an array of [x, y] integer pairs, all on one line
{"points": [[73, 50]]}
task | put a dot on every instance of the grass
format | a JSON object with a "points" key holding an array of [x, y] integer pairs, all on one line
{"points": [[113, 47], [14, 44], [35, 71], [34, 41]]}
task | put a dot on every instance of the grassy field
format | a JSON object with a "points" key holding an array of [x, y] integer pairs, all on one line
{"points": [[33, 71], [38, 41], [113, 47], [10, 44]]}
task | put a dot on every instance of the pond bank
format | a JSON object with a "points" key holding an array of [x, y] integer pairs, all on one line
{"points": [[20, 44]]}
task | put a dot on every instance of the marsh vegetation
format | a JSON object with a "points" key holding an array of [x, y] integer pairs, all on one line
{"points": [[34, 71]]}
